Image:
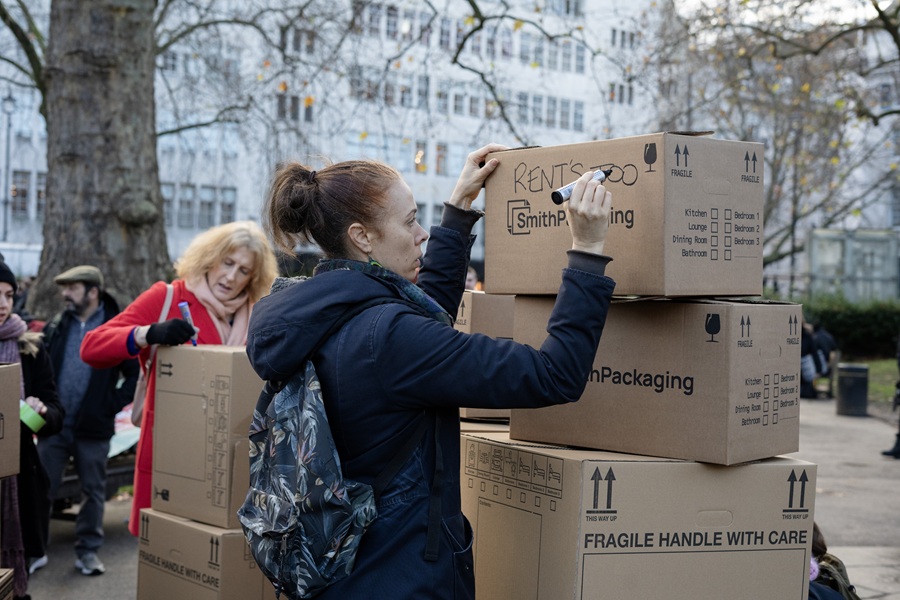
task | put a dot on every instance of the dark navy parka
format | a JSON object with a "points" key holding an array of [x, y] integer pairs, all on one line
{"points": [[386, 367]]}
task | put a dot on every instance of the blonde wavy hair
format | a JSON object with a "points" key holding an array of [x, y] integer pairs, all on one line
{"points": [[212, 246]]}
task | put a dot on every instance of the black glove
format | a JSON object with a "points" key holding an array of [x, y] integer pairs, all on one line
{"points": [[173, 332]]}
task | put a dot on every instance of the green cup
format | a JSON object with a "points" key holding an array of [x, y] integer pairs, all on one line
{"points": [[30, 417]]}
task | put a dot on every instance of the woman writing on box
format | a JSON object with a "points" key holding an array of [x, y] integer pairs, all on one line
{"points": [[395, 364], [223, 272]]}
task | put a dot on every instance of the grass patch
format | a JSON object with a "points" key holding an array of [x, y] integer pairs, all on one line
{"points": [[882, 379]]}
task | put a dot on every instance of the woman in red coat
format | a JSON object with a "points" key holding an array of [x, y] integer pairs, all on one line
{"points": [[223, 272]]}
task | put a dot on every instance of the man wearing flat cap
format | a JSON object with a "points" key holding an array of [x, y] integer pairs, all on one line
{"points": [[91, 397]]}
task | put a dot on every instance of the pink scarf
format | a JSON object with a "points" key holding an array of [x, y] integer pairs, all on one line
{"points": [[232, 317]]}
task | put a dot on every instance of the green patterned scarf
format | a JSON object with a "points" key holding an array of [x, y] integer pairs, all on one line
{"points": [[407, 289]]}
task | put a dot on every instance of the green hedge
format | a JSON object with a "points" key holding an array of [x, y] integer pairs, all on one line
{"points": [[862, 330]]}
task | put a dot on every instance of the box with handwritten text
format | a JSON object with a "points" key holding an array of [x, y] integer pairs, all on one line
{"points": [[587, 525], [686, 216]]}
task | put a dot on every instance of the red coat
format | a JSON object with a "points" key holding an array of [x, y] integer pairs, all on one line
{"points": [[107, 345]]}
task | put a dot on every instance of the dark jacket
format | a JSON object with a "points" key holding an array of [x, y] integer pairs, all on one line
{"points": [[34, 486], [104, 397], [387, 366]]}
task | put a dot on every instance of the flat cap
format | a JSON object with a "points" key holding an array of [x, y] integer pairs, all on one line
{"points": [[82, 273]]}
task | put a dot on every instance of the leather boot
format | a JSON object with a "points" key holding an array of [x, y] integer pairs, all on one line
{"points": [[895, 451]]}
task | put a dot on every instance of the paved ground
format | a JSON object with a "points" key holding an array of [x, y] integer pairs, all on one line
{"points": [[857, 508]]}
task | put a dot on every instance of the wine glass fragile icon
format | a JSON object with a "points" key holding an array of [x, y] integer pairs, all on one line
{"points": [[713, 326], [650, 155]]}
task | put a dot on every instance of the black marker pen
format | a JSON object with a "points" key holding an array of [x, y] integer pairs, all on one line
{"points": [[562, 194]]}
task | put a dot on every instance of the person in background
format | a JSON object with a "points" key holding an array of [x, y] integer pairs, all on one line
{"points": [[25, 498], [221, 275], [91, 397], [400, 366], [895, 451], [827, 348], [471, 278], [811, 365]]}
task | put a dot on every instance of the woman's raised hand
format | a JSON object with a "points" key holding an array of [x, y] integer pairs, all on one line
{"points": [[588, 214], [474, 172]]}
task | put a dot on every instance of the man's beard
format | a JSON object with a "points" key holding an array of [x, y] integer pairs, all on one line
{"points": [[75, 308]]}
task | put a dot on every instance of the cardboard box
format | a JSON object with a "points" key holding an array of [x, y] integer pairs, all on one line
{"points": [[205, 397], [478, 425], [561, 523], [10, 434], [491, 315], [686, 220], [708, 380], [180, 558], [6, 584]]}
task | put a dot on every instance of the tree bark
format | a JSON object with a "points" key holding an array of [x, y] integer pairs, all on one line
{"points": [[104, 206]]}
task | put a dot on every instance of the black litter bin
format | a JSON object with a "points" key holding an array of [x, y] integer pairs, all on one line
{"points": [[853, 389]]}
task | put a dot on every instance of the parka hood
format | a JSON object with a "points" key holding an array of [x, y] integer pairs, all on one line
{"points": [[293, 320]]}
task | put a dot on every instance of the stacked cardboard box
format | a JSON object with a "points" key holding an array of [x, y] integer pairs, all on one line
{"points": [[490, 315], [190, 542], [10, 439], [563, 523], [702, 391], [9, 420]]}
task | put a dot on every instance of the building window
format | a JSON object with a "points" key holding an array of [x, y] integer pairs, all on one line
{"points": [[374, 28], [445, 33], [308, 112], [580, 56], [41, 196], [564, 114], [392, 28], [490, 45], [551, 111], [459, 101], [389, 92], [419, 160], [506, 43], [167, 190], [288, 106], [423, 91], [460, 33], [538, 51], [567, 56], [474, 106], [443, 98], [438, 214], [407, 26], [169, 61], [186, 207], [631, 37], [630, 94], [537, 110], [19, 192], [578, 116], [885, 96], [476, 43], [425, 29], [612, 92], [406, 95], [525, 48], [553, 55], [613, 43], [621, 93], [207, 215], [229, 197], [440, 159], [522, 101]]}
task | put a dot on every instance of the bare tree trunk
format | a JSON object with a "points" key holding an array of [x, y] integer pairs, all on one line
{"points": [[103, 201]]}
